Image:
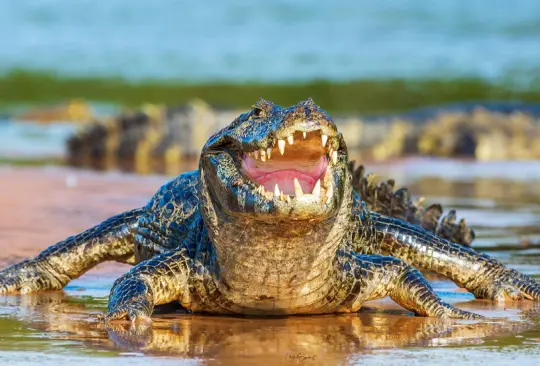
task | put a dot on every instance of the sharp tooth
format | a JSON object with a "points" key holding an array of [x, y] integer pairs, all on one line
{"points": [[317, 189], [256, 154], [288, 198], [282, 196], [269, 153], [329, 193], [290, 139], [334, 157], [304, 134], [276, 190], [263, 155], [297, 188], [281, 145], [324, 138]]}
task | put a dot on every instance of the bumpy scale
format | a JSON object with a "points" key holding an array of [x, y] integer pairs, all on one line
{"points": [[270, 224]]}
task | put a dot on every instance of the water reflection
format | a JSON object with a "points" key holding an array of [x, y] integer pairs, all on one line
{"points": [[317, 340], [482, 191]]}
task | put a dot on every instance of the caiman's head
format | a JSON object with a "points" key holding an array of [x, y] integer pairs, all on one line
{"points": [[276, 199], [276, 163]]}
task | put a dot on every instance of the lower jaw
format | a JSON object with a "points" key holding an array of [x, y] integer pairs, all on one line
{"points": [[286, 174], [313, 203], [285, 181]]}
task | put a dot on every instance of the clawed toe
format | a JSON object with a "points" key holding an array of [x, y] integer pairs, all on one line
{"points": [[8, 285], [136, 316], [509, 285], [511, 293]]}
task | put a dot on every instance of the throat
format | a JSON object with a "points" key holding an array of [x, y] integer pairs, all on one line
{"points": [[275, 266]]}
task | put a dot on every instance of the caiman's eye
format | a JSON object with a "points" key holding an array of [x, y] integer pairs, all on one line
{"points": [[261, 109], [257, 113]]}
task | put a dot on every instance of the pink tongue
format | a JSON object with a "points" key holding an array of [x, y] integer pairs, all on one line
{"points": [[269, 174]]}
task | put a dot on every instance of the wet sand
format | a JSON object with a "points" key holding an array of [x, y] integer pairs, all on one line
{"points": [[41, 206]]}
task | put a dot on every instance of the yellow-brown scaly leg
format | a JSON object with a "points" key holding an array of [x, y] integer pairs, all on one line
{"points": [[53, 268], [377, 276], [156, 281], [482, 275]]}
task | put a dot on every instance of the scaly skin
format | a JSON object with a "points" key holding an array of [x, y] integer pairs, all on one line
{"points": [[218, 242], [53, 268], [381, 198]]}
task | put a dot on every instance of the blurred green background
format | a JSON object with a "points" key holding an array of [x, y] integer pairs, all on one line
{"points": [[88, 60], [349, 55]]}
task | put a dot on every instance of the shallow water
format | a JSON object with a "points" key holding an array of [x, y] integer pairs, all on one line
{"points": [[26, 139], [266, 40], [60, 327]]}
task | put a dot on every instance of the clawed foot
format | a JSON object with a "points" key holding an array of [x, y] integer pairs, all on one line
{"points": [[510, 284], [449, 311], [131, 299], [28, 276], [132, 313]]}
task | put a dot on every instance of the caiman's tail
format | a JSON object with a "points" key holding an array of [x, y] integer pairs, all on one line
{"points": [[381, 198]]}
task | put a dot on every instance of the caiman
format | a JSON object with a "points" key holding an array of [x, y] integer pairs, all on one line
{"points": [[271, 225]]}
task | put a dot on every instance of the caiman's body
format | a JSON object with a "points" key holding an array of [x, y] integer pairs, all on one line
{"points": [[240, 236]]}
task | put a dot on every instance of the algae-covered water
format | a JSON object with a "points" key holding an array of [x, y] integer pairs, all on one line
{"points": [[502, 201]]}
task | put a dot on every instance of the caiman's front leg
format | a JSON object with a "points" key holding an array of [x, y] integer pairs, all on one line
{"points": [[376, 276], [159, 280], [482, 275], [53, 268]]}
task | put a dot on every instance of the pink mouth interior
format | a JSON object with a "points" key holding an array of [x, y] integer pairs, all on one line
{"points": [[269, 174], [303, 161]]}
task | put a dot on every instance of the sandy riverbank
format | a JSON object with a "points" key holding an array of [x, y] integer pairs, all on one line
{"points": [[41, 206]]}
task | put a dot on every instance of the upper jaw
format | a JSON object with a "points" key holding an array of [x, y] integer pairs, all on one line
{"points": [[265, 148], [288, 129]]}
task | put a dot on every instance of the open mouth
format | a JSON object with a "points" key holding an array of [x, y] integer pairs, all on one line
{"points": [[295, 166]]}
